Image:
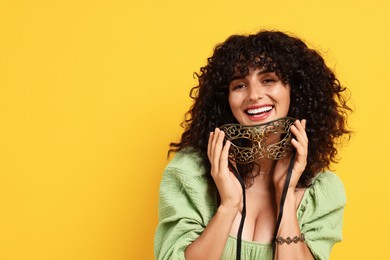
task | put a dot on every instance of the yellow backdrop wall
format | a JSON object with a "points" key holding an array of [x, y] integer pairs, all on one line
{"points": [[92, 92]]}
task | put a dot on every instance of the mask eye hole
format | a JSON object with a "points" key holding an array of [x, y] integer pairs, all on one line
{"points": [[274, 134], [242, 142]]}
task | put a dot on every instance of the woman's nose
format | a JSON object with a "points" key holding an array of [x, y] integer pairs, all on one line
{"points": [[255, 92]]}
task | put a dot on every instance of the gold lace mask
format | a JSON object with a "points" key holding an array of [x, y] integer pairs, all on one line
{"points": [[270, 140]]}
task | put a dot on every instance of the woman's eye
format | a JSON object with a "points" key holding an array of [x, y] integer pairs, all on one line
{"points": [[268, 81], [238, 86]]}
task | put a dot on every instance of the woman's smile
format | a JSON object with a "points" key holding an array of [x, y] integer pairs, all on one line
{"points": [[259, 112]]}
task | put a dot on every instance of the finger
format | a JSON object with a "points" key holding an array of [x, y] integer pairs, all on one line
{"points": [[209, 145], [304, 127], [301, 126], [218, 148], [218, 144], [213, 141], [303, 121], [300, 149], [299, 132], [301, 156], [225, 156]]}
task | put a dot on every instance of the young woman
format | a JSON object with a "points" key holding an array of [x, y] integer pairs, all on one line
{"points": [[252, 80]]}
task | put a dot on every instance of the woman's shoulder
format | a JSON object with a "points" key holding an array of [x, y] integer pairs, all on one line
{"points": [[328, 184], [186, 174], [325, 194], [187, 160], [185, 166]]}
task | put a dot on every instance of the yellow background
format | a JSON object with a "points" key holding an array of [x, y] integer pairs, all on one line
{"points": [[92, 92]]}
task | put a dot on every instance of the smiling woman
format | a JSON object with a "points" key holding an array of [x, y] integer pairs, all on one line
{"points": [[213, 205]]}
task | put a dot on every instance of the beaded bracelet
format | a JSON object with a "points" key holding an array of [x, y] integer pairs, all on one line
{"points": [[289, 240]]}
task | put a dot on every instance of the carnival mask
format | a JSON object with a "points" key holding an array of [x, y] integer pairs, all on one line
{"points": [[270, 140]]}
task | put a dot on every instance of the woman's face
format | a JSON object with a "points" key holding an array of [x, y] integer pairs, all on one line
{"points": [[258, 97]]}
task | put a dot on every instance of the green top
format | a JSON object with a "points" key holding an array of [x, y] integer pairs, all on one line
{"points": [[187, 204]]}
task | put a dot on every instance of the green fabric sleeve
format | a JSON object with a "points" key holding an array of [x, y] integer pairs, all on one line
{"points": [[186, 205], [321, 214]]}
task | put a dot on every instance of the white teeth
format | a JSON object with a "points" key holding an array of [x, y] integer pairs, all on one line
{"points": [[259, 110]]}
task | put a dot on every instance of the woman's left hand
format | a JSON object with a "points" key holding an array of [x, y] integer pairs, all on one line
{"points": [[300, 143]]}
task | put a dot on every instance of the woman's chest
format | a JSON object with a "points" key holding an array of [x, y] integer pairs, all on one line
{"points": [[261, 214], [260, 217]]}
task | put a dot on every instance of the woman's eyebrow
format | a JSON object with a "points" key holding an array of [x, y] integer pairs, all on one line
{"points": [[237, 77], [261, 72]]}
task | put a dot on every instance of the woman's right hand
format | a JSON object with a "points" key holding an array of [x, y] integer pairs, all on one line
{"points": [[228, 186]]}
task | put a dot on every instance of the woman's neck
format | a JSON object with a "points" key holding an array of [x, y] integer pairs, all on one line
{"points": [[264, 174], [266, 166]]}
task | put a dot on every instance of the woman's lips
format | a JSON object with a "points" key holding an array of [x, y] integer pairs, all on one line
{"points": [[259, 113]]}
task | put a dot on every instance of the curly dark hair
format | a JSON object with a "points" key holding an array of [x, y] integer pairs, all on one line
{"points": [[316, 95]]}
